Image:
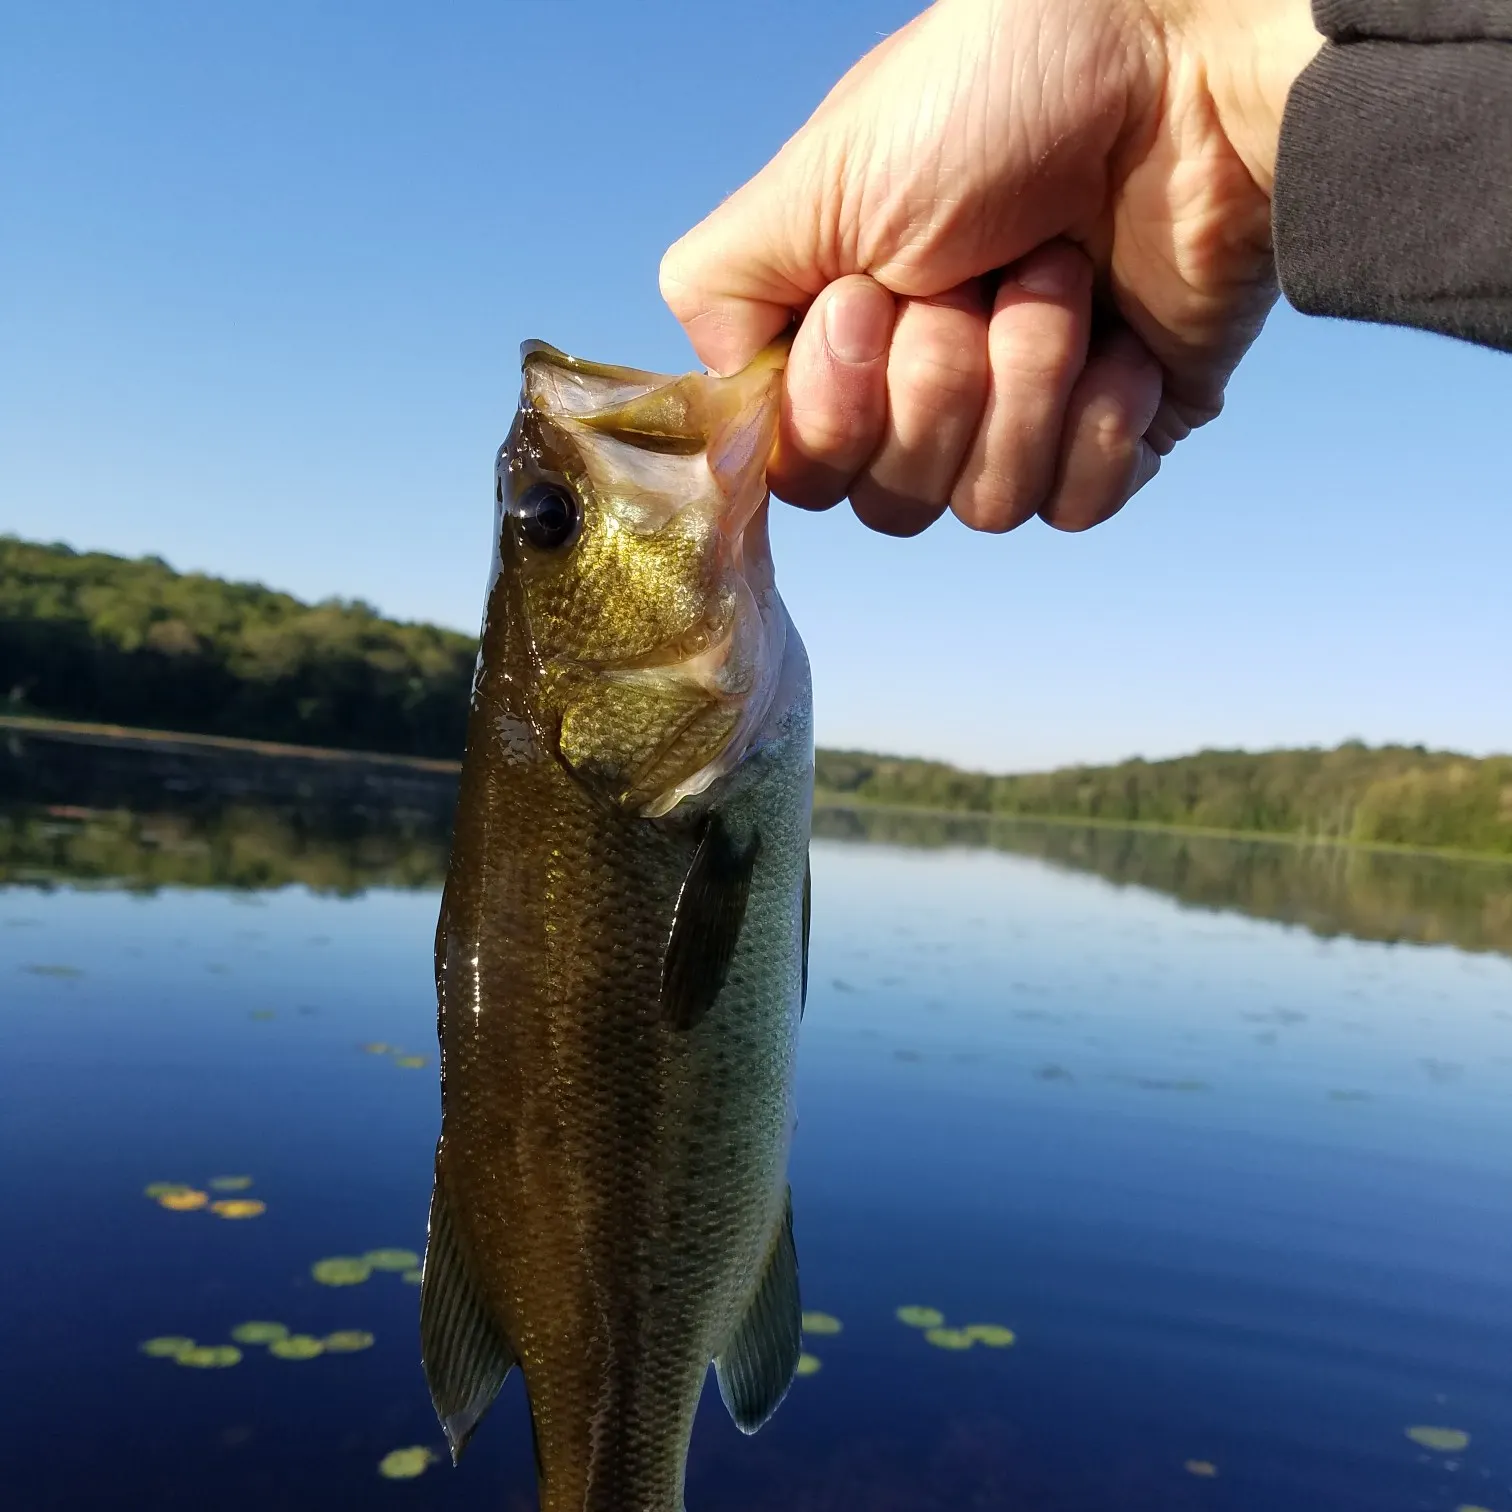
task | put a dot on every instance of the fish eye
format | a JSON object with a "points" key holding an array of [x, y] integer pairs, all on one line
{"points": [[548, 515]]}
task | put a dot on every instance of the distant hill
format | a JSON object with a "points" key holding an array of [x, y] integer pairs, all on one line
{"points": [[89, 636], [1392, 795], [84, 635]]}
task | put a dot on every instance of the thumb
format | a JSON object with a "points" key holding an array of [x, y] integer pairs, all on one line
{"points": [[738, 277]]}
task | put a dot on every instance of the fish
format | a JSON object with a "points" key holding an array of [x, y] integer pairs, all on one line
{"points": [[621, 955]]}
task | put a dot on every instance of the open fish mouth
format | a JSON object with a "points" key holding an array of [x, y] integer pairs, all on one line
{"points": [[663, 637]]}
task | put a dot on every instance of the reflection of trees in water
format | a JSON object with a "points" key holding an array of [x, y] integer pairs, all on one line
{"points": [[1329, 889], [176, 815], [157, 816]]}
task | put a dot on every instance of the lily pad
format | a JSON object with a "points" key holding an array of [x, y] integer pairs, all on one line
{"points": [[347, 1341], [414, 1276], [405, 1464], [993, 1335], [377, 1047], [821, 1323], [809, 1364], [391, 1259], [341, 1270], [161, 1189], [238, 1207], [949, 1338], [297, 1347], [167, 1347], [1445, 1440], [1204, 1468], [210, 1356], [229, 1183], [410, 1062], [921, 1317], [259, 1333], [186, 1200]]}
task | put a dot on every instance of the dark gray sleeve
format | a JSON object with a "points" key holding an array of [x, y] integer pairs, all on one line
{"points": [[1393, 197]]}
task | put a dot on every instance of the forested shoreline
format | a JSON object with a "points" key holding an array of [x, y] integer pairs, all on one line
{"points": [[88, 636], [93, 637]]}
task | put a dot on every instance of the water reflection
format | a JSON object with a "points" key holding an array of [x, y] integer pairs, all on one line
{"points": [[1328, 889], [142, 818], [1104, 1202]]}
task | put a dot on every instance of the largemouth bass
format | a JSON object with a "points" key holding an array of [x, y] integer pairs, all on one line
{"points": [[621, 957]]}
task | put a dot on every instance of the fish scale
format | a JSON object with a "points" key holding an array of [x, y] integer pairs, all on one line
{"points": [[619, 987]]}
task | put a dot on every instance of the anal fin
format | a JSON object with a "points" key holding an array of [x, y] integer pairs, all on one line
{"points": [[757, 1366], [465, 1353]]}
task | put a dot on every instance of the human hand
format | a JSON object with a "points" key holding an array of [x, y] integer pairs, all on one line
{"points": [[1032, 241]]}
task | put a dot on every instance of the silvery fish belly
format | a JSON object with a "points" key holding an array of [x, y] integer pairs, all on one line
{"points": [[621, 953]]}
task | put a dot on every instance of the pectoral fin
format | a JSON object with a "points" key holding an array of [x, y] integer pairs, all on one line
{"points": [[465, 1353], [808, 901], [758, 1365], [706, 926]]}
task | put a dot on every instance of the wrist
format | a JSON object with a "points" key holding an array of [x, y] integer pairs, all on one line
{"points": [[1250, 52]]}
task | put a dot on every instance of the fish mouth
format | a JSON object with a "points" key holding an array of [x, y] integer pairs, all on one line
{"points": [[664, 723]]}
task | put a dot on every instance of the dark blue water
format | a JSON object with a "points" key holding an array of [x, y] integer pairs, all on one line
{"points": [[1242, 1194]]}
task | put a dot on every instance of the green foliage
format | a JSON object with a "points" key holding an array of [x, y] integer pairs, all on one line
{"points": [[1398, 795], [97, 637]]}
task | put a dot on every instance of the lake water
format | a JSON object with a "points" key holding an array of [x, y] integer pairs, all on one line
{"points": [[1236, 1179]]}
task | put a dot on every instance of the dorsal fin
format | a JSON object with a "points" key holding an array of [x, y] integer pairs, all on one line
{"points": [[465, 1353]]}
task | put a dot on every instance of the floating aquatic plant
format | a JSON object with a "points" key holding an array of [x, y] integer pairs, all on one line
{"points": [[209, 1356], [167, 1347], [1205, 1468], [259, 1333], [391, 1259], [238, 1207], [1446, 1440], [347, 1341], [921, 1317], [229, 1183], [341, 1270], [993, 1335], [185, 1200], [262, 1015], [410, 1062], [809, 1364], [949, 1338], [405, 1464], [414, 1276], [297, 1347], [377, 1048], [821, 1323], [160, 1189]]}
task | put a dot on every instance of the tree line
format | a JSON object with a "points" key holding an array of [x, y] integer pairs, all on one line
{"points": [[1387, 795], [90, 636]]}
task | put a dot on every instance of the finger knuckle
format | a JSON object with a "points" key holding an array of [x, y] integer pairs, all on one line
{"points": [[993, 505], [942, 363]]}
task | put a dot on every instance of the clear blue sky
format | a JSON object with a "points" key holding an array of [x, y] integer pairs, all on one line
{"points": [[264, 269]]}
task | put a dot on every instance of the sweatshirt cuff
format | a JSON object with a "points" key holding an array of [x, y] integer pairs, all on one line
{"points": [[1414, 20], [1393, 190]]}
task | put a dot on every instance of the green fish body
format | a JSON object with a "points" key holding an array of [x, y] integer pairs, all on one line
{"points": [[621, 951]]}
